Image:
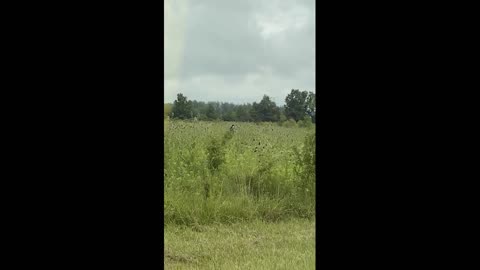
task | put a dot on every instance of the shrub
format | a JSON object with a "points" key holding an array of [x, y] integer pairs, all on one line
{"points": [[305, 166], [305, 123], [290, 123]]}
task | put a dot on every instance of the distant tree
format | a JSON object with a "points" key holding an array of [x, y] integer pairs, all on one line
{"points": [[266, 110], [182, 108], [230, 116], [243, 113], [299, 105], [311, 106], [195, 108], [200, 109], [226, 111], [253, 111], [295, 104], [212, 112]]}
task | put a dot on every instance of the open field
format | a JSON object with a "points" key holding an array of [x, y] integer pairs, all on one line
{"points": [[255, 245], [241, 199], [258, 172]]}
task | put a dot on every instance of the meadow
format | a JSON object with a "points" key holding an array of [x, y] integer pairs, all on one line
{"points": [[251, 245], [259, 177]]}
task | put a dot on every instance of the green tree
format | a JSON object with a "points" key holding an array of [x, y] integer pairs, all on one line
{"points": [[299, 105], [311, 106], [228, 111], [243, 113], [266, 110], [212, 112], [229, 116], [182, 108]]}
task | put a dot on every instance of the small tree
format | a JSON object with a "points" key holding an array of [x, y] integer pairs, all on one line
{"points": [[182, 108]]}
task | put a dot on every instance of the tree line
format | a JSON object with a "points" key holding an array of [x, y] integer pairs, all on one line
{"points": [[299, 106]]}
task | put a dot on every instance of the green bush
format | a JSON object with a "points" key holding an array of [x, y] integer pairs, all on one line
{"points": [[305, 166], [290, 124], [305, 123]]}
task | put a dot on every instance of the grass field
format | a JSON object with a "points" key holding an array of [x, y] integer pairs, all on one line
{"points": [[255, 245], [238, 200]]}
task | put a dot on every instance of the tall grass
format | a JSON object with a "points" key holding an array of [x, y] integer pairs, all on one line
{"points": [[213, 175]]}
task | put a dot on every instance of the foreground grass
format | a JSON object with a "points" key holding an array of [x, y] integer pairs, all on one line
{"points": [[254, 245], [261, 171]]}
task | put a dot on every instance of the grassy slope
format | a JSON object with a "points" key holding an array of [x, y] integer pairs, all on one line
{"points": [[256, 245]]}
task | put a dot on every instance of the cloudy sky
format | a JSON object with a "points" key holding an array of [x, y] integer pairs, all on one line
{"points": [[238, 50]]}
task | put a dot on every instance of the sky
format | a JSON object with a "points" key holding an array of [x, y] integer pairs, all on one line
{"points": [[237, 51]]}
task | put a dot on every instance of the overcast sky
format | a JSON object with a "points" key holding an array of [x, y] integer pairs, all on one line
{"points": [[238, 50]]}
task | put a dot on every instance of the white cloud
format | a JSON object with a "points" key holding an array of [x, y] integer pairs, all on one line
{"points": [[237, 51], [175, 19]]}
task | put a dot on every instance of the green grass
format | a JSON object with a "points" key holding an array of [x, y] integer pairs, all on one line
{"points": [[243, 200], [288, 244], [261, 172]]}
